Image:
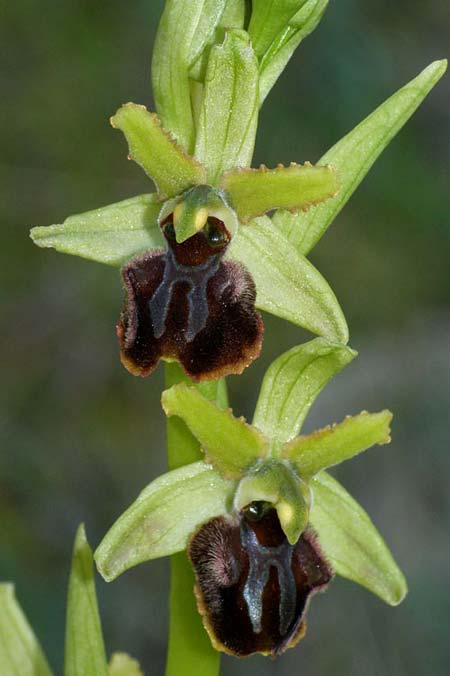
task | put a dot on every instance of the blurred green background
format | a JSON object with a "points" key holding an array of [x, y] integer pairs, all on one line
{"points": [[80, 437]]}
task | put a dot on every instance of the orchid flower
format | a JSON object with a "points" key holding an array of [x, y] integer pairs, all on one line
{"points": [[201, 253], [264, 524]]}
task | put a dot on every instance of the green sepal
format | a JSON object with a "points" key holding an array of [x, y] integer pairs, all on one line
{"points": [[286, 42], [113, 234], [186, 32], [185, 29], [276, 483], [268, 19], [352, 544], [253, 192], [229, 443], [84, 649], [354, 155], [287, 284], [122, 664], [20, 652], [336, 443], [228, 116], [171, 169], [233, 16], [163, 517], [291, 384]]}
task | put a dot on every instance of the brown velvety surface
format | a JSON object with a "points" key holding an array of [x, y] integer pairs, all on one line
{"points": [[187, 304], [230, 558]]}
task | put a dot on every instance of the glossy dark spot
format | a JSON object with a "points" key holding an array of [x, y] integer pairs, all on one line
{"points": [[215, 233], [256, 510], [169, 231]]}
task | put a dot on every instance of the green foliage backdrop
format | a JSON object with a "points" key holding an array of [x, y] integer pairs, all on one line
{"points": [[80, 437]]}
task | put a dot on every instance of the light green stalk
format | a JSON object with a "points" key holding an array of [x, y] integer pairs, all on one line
{"points": [[189, 652]]}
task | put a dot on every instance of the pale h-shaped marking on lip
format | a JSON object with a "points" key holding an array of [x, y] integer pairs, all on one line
{"points": [[261, 559], [197, 277]]}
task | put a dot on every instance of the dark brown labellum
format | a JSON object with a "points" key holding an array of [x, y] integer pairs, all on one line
{"points": [[187, 304], [252, 586]]}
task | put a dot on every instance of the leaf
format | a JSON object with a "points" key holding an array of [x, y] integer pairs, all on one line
{"points": [[20, 652], [85, 650], [229, 443], [334, 444], [122, 664], [163, 517], [352, 544], [111, 234], [253, 192], [291, 384], [185, 29], [276, 483], [286, 42], [354, 155], [287, 284], [229, 112], [171, 169], [268, 18]]}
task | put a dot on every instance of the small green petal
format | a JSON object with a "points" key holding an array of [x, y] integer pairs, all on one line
{"points": [[163, 517], [354, 155], [182, 447], [253, 192], [229, 113], [286, 42], [20, 652], [352, 544], [111, 234], [334, 444], [291, 384], [85, 650], [167, 164], [122, 664], [276, 483], [287, 284], [269, 17], [229, 443]]}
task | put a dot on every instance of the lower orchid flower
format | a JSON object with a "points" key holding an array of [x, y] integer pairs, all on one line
{"points": [[264, 525]]}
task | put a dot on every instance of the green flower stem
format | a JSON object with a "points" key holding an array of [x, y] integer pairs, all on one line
{"points": [[190, 652]]}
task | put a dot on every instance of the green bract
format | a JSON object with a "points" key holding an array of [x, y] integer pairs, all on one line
{"points": [[354, 155], [20, 652], [267, 462], [277, 55], [85, 649]]}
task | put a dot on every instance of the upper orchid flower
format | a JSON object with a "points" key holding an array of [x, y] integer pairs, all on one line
{"points": [[183, 301], [200, 253], [264, 525]]}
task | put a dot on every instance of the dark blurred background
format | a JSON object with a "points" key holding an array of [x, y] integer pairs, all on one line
{"points": [[80, 437]]}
